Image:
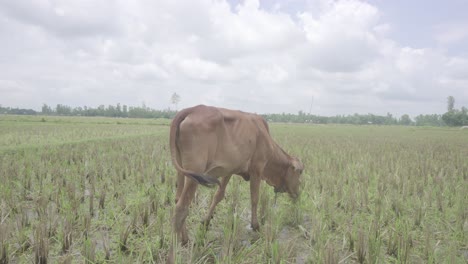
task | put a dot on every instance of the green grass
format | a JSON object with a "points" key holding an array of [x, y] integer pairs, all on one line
{"points": [[101, 190]]}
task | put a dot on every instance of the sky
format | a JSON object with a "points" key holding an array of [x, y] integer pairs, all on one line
{"points": [[319, 56]]}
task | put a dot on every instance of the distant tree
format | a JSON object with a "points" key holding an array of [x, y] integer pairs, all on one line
{"points": [[101, 110], [455, 117], [389, 120], [175, 99], [405, 120], [63, 110], [111, 111], [464, 116], [125, 111], [78, 111], [429, 120], [119, 109], [450, 103], [46, 110], [450, 118]]}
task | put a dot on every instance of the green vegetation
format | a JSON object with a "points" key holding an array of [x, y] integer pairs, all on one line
{"points": [[101, 190]]}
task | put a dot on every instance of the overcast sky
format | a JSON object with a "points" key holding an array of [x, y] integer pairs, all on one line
{"points": [[330, 57]]}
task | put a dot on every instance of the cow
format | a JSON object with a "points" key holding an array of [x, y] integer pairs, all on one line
{"points": [[209, 144]]}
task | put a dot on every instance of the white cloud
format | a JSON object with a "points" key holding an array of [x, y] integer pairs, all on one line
{"points": [[243, 56], [199, 69], [452, 32], [272, 74], [66, 18], [342, 37]]}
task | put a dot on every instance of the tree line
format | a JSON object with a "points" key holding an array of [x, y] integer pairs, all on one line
{"points": [[358, 119], [108, 111], [453, 116]]}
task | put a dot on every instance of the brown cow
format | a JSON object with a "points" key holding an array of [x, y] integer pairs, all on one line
{"points": [[209, 143]]}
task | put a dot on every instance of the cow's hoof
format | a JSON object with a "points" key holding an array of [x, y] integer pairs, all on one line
{"points": [[205, 224], [255, 227], [184, 242]]}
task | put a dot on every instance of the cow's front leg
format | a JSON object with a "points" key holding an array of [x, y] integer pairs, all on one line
{"points": [[254, 193], [219, 195]]}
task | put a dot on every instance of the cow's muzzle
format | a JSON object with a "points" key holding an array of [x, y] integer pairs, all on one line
{"points": [[294, 197], [279, 190]]}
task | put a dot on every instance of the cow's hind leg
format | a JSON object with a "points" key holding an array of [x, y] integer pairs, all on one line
{"points": [[219, 195], [180, 185], [182, 209], [180, 181]]}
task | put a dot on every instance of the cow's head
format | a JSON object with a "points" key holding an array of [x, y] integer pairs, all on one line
{"points": [[291, 181]]}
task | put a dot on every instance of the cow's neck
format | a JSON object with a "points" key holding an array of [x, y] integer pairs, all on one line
{"points": [[280, 156], [277, 166]]}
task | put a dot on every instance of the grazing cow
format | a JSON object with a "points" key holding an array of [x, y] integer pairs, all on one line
{"points": [[209, 144]]}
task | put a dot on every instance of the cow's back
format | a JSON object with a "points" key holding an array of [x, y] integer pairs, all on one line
{"points": [[223, 138]]}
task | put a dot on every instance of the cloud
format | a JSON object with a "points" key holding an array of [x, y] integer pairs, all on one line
{"points": [[241, 55], [452, 32], [65, 18], [342, 37], [272, 74]]}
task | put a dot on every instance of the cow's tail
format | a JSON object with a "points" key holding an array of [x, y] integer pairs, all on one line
{"points": [[204, 180]]}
